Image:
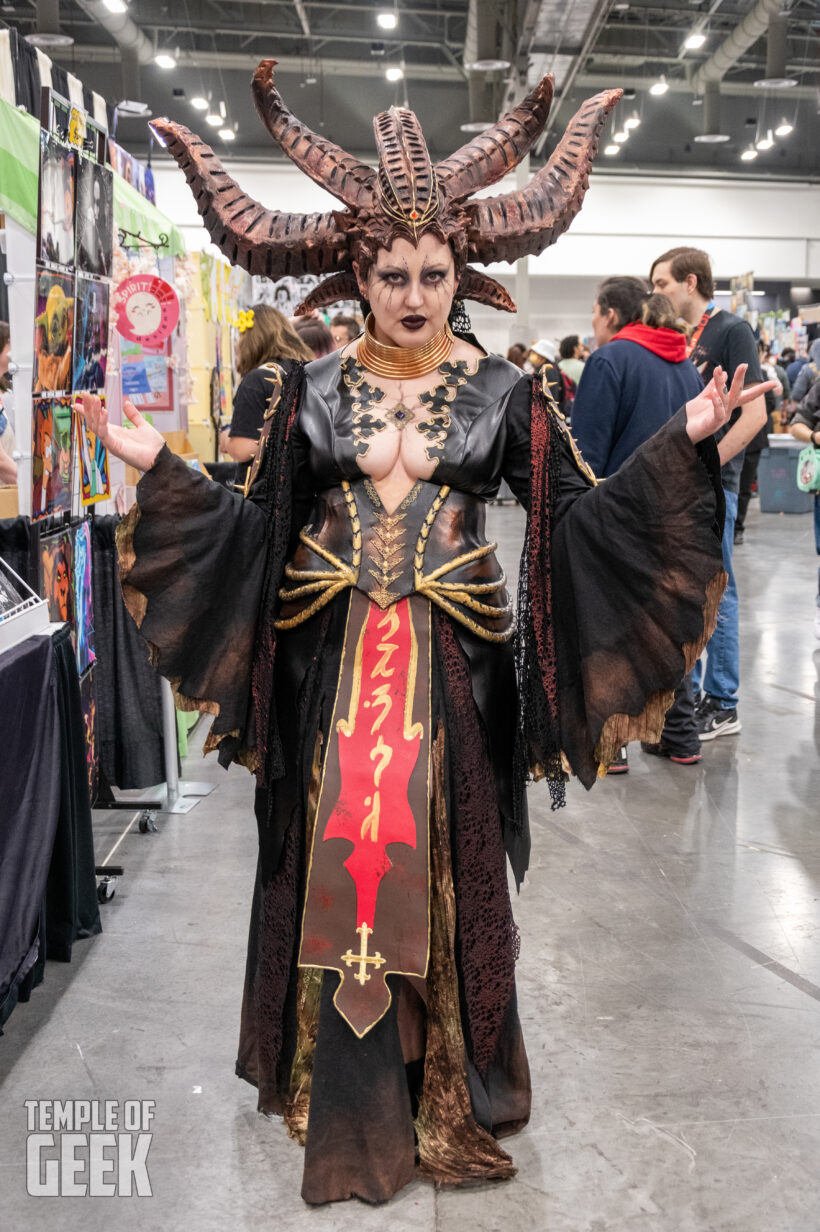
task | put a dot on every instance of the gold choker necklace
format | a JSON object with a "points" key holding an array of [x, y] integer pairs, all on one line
{"points": [[403, 363]]}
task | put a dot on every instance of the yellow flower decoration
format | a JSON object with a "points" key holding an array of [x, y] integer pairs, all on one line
{"points": [[245, 321]]}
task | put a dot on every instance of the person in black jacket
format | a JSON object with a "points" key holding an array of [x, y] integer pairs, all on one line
{"points": [[268, 341]]}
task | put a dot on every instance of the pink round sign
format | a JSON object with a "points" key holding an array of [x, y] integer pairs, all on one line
{"points": [[147, 309]]}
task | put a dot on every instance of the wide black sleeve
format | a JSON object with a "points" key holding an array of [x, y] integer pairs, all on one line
{"points": [[192, 560], [635, 578]]}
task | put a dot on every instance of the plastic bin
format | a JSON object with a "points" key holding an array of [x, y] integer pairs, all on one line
{"points": [[777, 478]]}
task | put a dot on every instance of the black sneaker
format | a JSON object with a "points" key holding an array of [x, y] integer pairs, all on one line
{"points": [[716, 722], [738, 537], [663, 750], [620, 765]]}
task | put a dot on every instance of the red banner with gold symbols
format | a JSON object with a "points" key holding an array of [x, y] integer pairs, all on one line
{"points": [[366, 909]]}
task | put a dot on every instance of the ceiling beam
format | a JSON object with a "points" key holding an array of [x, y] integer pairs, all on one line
{"points": [[678, 85], [247, 62]]}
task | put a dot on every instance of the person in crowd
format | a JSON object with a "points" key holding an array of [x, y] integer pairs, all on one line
{"points": [[718, 340], [751, 456], [542, 357], [314, 332], [805, 427], [517, 354], [269, 339], [344, 329], [8, 467], [793, 363], [781, 400], [570, 362], [635, 381], [807, 375]]}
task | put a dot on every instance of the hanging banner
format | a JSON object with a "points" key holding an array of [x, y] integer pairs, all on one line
{"points": [[147, 309]]}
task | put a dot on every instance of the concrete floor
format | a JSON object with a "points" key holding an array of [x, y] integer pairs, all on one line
{"points": [[669, 984]]}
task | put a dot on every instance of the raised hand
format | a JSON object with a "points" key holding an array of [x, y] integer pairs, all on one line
{"points": [[714, 405], [138, 446]]}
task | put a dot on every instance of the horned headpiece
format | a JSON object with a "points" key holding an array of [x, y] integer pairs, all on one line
{"points": [[406, 195]]}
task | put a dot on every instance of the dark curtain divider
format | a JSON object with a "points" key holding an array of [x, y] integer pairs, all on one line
{"points": [[71, 896], [48, 886], [27, 80], [30, 792], [19, 544], [129, 703]]}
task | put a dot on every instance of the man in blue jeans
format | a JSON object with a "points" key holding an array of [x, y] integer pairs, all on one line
{"points": [[717, 338]]}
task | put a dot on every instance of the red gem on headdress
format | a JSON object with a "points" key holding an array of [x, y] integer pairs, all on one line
{"points": [[414, 214]]}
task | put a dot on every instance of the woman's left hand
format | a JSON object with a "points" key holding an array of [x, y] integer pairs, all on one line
{"points": [[713, 407]]}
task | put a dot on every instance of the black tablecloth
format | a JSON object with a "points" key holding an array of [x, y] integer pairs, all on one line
{"points": [[47, 882]]}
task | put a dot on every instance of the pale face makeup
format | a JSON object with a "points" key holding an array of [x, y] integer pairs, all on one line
{"points": [[410, 291]]}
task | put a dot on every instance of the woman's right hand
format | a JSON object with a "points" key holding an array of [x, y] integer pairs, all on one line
{"points": [[138, 446]]}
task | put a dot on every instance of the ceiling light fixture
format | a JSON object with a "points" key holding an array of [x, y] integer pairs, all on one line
{"points": [[227, 134], [476, 126], [49, 39], [214, 119], [394, 73], [783, 129], [767, 142], [487, 66], [660, 87], [387, 21], [133, 107], [115, 6], [695, 40], [775, 83], [620, 137], [749, 154], [612, 150], [632, 121], [199, 103], [163, 60]]}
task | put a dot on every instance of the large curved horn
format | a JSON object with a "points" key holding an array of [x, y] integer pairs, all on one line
{"points": [[484, 290], [487, 158], [523, 223], [261, 241], [331, 291], [407, 187], [341, 174]]}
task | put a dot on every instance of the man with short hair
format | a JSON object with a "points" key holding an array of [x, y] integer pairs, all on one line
{"points": [[718, 339], [344, 329]]}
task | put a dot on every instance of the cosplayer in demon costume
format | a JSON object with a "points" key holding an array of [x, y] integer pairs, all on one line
{"points": [[349, 626]]}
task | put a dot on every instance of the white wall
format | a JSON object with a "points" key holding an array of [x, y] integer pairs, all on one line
{"points": [[770, 228]]}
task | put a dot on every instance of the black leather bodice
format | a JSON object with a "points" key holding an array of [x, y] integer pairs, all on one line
{"points": [[472, 401], [434, 543]]}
